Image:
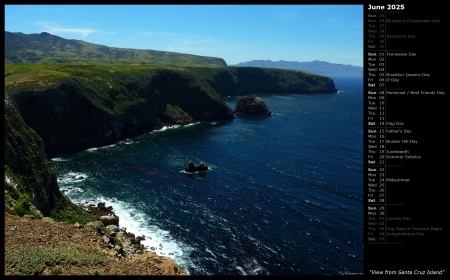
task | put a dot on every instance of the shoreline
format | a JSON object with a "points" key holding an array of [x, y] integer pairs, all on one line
{"points": [[113, 235], [32, 244]]}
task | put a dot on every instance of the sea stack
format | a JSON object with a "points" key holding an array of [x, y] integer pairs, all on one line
{"points": [[251, 106]]}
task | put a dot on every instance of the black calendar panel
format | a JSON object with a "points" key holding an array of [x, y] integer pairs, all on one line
{"points": [[406, 99]]}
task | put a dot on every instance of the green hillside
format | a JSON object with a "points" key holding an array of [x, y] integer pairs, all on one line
{"points": [[50, 49], [75, 107]]}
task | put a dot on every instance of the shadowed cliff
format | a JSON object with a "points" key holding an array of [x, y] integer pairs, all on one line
{"points": [[77, 107], [26, 165]]}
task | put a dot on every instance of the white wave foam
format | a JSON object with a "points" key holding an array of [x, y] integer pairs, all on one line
{"points": [[251, 267], [140, 224], [59, 159], [127, 141], [210, 252], [71, 178], [98, 148], [191, 124], [71, 190], [164, 128]]}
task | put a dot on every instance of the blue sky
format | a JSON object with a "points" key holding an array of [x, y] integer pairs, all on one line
{"points": [[236, 33]]}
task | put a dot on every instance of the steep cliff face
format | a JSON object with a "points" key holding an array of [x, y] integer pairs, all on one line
{"points": [[232, 81], [27, 169], [81, 110], [78, 107]]}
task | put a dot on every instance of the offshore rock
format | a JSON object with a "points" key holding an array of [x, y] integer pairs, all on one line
{"points": [[254, 106], [192, 168]]}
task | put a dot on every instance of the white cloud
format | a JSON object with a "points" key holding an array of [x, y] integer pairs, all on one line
{"points": [[195, 42], [55, 29], [198, 46], [145, 33]]}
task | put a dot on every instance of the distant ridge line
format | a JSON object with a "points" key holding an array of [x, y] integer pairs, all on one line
{"points": [[45, 48], [316, 66]]}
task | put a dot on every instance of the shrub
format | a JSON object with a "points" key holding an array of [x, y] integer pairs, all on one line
{"points": [[22, 206]]}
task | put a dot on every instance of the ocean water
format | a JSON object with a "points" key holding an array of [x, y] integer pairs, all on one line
{"points": [[283, 196]]}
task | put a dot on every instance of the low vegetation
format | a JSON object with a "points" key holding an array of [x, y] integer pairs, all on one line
{"points": [[33, 260]]}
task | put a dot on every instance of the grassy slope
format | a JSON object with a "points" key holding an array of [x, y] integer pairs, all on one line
{"points": [[45, 48]]}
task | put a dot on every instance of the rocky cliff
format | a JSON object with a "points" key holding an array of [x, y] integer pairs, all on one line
{"points": [[235, 81], [77, 107], [26, 165], [27, 174]]}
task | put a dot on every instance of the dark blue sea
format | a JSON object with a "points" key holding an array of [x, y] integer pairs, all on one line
{"points": [[283, 196]]}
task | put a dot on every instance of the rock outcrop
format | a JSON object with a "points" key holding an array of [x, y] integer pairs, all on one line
{"points": [[251, 106]]}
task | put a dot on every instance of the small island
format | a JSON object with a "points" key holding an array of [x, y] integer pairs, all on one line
{"points": [[251, 106], [192, 168]]}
